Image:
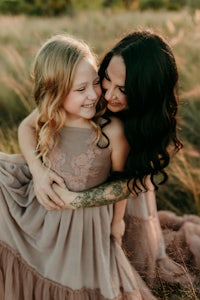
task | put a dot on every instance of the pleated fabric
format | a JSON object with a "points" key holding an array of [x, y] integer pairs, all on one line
{"points": [[62, 254]]}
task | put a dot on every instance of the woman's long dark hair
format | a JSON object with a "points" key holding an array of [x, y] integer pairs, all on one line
{"points": [[151, 87]]}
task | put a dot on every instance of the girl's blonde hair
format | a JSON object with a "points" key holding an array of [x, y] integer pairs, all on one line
{"points": [[53, 74]]}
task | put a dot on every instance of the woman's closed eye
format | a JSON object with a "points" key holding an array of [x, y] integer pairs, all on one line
{"points": [[106, 76], [122, 90]]}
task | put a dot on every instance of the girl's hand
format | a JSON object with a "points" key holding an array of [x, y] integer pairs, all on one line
{"points": [[66, 196], [117, 230], [46, 196]]}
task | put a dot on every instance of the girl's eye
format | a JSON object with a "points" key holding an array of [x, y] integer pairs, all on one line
{"points": [[81, 89], [97, 82]]}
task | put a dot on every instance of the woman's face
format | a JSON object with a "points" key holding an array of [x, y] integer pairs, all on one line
{"points": [[114, 84]]}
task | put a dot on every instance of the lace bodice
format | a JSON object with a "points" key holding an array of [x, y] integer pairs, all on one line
{"points": [[81, 163]]}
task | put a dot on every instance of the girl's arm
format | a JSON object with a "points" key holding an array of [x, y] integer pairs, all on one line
{"points": [[118, 224], [120, 149], [42, 176]]}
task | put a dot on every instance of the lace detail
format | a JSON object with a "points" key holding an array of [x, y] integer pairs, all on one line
{"points": [[80, 166]]}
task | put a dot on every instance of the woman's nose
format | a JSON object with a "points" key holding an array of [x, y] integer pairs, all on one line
{"points": [[110, 94]]}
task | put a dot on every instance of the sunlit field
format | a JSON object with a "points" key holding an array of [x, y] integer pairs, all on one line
{"points": [[20, 38]]}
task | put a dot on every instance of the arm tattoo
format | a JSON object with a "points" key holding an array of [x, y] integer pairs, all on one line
{"points": [[104, 194]]}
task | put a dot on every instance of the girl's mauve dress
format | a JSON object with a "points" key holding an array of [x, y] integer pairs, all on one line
{"points": [[62, 254]]}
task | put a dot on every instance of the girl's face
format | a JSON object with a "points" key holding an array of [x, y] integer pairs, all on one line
{"points": [[114, 84], [82, 99]]}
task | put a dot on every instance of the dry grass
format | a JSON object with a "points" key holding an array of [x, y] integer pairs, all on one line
{"points": [[21, 36]]}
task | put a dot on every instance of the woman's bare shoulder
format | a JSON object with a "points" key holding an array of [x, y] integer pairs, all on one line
{"points": [[115, 126]]}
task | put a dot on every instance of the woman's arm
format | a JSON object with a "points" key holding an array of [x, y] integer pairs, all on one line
{"points": [[109, 192], [104, 194], [50, 189], [42, 176]]}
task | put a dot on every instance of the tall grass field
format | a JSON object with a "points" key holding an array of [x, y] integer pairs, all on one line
{"points": [[21, 37]]}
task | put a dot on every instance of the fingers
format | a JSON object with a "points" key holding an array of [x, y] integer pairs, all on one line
{"points": [[46, 202], [47, 197], [68, 206], [64, 194], [57, 179], [44, 192], [54, 198]]}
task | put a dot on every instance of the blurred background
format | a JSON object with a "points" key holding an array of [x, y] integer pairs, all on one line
{"points": [[24, 25]]}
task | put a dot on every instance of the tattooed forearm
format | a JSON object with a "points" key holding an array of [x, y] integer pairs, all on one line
{"points": [[104, 194]]}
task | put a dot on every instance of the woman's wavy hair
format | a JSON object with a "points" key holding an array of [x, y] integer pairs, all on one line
{"points": [[53, 74], [151, 87]]}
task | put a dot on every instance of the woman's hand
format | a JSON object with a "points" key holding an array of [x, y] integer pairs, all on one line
{"points": [[43, 180], [66, 196]]}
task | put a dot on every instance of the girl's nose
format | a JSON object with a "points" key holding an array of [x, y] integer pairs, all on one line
{"points": [[92, 95]]}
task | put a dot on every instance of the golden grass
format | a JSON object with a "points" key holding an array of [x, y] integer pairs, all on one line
{"points": [[21, 36], [8, 140]]}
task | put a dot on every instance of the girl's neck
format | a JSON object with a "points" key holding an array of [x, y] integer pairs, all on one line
{"points": [[80, 123]]}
